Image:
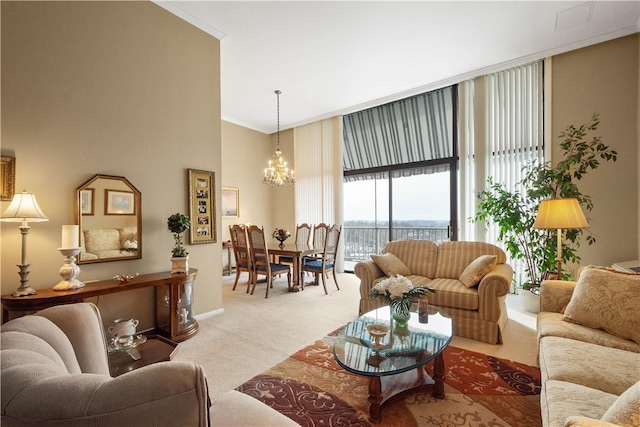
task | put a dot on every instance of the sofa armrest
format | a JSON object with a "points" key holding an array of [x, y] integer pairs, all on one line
{"points": [[367, 271], [166, 393], [493, 285], [555, 294]]}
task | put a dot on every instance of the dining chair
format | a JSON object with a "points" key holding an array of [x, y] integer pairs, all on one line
{"points": [[319, 234], [260, 261], [322, 265], [317, 241], [241, 252], [303, 235]]}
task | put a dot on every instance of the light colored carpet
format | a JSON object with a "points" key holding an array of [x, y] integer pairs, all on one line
{"points": [[253, 333]]}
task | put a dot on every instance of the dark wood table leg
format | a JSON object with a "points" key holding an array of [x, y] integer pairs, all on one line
{"points": [[375, 399], [296, 274], [438, 377]]}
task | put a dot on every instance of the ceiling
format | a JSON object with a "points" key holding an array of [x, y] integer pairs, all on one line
{"points": [[337, 57]]}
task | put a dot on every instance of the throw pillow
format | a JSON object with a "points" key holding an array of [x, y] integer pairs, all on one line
{"points": [[478, 268], [391, 264], [625, 411], [607, 300]]}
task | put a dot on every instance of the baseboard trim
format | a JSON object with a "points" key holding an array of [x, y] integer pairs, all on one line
{"points": [[208, 314]]}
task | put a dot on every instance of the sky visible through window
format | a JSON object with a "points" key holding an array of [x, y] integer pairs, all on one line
{"points": [[419, 197]]}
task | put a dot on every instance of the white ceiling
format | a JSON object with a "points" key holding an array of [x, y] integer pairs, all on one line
{"points": [[337, 57]]}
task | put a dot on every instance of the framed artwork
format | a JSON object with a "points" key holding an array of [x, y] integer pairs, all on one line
{"points": [[230, 202], [119, 202], [87, 203], [550, 275], [7, 177], [202, 207]]}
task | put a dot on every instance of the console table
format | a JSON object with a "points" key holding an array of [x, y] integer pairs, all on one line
{"points": [[173, 305]]}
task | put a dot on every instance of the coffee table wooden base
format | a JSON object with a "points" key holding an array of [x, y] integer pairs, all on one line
{"points": [[383, 388]]}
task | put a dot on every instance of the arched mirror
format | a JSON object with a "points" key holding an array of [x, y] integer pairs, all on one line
{"points": [[109, 212]]}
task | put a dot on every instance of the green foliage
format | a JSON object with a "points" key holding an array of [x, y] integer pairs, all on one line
{"points": [[178, 224], [514, 213]]}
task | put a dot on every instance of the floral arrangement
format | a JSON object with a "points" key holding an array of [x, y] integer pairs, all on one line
{"points": [[398, 290], [281, 234], [130, 246]]}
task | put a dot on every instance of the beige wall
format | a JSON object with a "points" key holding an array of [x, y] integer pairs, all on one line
{"points": [[118, 88], [604, 78], [246, 153]]}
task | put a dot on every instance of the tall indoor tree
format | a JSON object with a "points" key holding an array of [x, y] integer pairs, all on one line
{"points": [[514, 213]]}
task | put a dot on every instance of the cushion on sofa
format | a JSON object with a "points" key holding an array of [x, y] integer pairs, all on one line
{"points": [[607, 300], [420, 256], [625, 411], [452, 293], [595, 366], [560, 400], [475, 271], [390, 264], [551, 324], [454, 257]]}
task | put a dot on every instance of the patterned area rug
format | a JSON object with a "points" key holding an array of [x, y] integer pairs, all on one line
{"points": [[313, 390]]}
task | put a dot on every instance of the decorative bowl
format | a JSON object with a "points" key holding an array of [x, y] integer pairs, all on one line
{"points": [[377, 330]]}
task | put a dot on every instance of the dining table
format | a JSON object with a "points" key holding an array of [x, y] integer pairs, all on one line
{"points": [[297, 252]]}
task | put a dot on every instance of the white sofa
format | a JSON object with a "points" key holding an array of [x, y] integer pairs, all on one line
{"points": [[55, 372], [589, 350], [107, 242]]}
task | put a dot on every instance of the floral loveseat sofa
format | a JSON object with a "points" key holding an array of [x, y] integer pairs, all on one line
{"points": [[471, 280], [589, 349]]}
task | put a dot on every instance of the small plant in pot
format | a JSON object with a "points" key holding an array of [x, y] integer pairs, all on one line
{"points": [[178, 224]]}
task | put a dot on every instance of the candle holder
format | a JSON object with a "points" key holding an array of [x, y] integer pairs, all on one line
{"points": [[69, 271]]}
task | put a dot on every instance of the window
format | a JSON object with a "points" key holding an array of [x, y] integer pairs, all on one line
{"points": [[400, 168]]}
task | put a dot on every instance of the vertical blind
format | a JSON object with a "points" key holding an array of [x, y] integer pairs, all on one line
{"points": [[501, 131], [318, 154], [318, 163], [514, 122]]}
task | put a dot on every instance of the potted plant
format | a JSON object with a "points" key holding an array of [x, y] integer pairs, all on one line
{"points": [[514, 212], [178, 224]]}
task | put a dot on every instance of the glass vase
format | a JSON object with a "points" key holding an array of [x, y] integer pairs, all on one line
{"points": [[400, 312]]}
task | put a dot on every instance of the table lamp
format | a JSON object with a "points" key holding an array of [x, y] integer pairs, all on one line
{"points": [[560, 214], [24, 208]]}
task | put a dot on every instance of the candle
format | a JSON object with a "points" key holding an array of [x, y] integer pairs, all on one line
{"points": [[70, 236]]}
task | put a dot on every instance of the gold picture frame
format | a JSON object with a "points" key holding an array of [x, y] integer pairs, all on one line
{"points": [[7, 177], [119, 202], [87, 201], [230, 205], [202, 206]]}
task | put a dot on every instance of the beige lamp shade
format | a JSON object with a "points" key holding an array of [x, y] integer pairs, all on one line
{"points": [[24, 208], [560, 214]]}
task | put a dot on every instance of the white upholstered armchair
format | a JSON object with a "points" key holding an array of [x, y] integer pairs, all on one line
{"points": [[55, 372]]}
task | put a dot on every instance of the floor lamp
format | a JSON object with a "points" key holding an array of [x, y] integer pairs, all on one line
{"points": [[24, 208], [560, 214]]}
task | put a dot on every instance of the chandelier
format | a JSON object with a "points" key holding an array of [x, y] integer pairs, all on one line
{"points": [[278, 174]]}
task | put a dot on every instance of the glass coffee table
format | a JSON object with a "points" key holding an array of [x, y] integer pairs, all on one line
{"points": [[395, 362]]}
